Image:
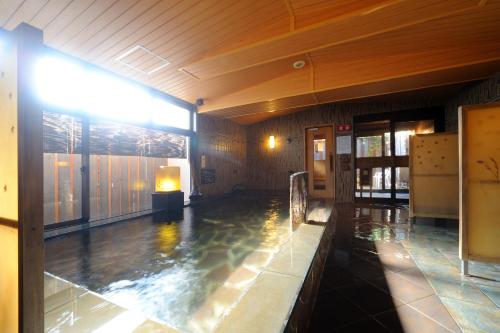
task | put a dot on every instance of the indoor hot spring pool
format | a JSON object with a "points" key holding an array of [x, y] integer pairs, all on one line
{"points": [[186, 273]]}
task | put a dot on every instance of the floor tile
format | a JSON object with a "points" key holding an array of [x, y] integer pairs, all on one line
{"points": [[473, 316], [333, 310], [367, 270], [433, 307], [336, 277], [493, 293], [368, 325], [396, 261], [452, 288], [368, 297], [401, 289], [407, 320]]}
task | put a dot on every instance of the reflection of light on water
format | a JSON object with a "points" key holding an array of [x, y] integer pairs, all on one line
{"points": [[168, 237], [179, 274], [166, 296]]}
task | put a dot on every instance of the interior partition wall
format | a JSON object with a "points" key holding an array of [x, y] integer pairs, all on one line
{"points": [[100, 160]]}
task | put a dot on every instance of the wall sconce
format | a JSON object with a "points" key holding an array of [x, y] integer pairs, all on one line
{"points": [[168, 179], [272, 142]]}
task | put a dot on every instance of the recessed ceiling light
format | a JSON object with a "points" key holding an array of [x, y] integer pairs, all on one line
{"points": [[299, 64], [150, 62]]}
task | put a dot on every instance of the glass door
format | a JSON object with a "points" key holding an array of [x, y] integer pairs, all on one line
{"points": [[382, 157]]}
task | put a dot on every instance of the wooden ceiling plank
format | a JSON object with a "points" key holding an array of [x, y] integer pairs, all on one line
{"points": [[87, 18], [192, 31], [159, 27], [181, 48], [51, 10], [7, 9], [24, 13], [119, 12], [164, 74], [337, 77], [425, 81], [392, 17], [66, 17], [221, 35], [99, 44]]}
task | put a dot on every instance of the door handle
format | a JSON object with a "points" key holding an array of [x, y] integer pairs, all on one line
{"points": [[331, 162]]}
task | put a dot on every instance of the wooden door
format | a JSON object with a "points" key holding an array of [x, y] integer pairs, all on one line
{"points": [[320, 161]]}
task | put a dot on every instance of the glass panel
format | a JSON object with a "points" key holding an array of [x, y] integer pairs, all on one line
{"points": [[405, 129], [369, 146], [388, 178], [319, 178], [123, 161], [62, 179], [387, 144], [377, 179], [402, 182]]}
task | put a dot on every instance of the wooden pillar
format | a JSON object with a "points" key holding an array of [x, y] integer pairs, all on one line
{"points": [[21, 178]]}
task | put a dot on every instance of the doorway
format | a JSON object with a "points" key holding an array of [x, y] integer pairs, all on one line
{"points": [[320, 162], [382, 152]]}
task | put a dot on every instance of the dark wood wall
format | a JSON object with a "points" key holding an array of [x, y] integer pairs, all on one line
{"points": [[270, 169], [487, 91], [223, 143]]}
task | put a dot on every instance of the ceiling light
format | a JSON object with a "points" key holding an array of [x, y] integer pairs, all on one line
{"points": [[299, 64]]}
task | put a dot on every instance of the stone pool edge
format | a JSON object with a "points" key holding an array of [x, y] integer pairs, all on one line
{"points": [[282, 297]]}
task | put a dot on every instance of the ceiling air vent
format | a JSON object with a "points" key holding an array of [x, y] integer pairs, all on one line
{"points": [[143, 60]]}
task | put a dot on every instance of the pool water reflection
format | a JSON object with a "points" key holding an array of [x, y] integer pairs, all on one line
{"points": [[172, 271]]}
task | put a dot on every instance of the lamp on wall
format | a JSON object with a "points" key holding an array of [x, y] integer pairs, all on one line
{"points": [[272, 142]]}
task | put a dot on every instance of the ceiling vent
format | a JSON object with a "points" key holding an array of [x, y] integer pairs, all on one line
{"points": [[143, 60]]}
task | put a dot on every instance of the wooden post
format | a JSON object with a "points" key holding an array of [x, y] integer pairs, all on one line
{"points": [[30, 182]]}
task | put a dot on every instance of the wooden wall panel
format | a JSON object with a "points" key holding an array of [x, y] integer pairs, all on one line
{"points": [[434, 175], [479, 137], [223, 146], [9, 261], [8, 134], [270, 169]]}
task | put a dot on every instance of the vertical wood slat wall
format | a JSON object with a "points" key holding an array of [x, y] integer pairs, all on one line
{"points": [[224, 145]]}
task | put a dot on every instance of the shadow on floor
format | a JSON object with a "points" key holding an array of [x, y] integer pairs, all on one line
{"points": [[370, 282]]}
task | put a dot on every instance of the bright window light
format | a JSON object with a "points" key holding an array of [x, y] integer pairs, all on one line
{"points": [[2, 47], [162, 112], [116, 99], [59, 82], [68, 85]]}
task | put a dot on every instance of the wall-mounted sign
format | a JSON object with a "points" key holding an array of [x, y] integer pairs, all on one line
{"points": [[344, 144], [207, 176], [344, 128]]}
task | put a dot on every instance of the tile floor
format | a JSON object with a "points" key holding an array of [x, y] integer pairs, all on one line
{"points": [[385, 274]]}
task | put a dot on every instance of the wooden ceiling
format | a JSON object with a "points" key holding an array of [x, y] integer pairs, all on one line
{"points": [[238, 55]]}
